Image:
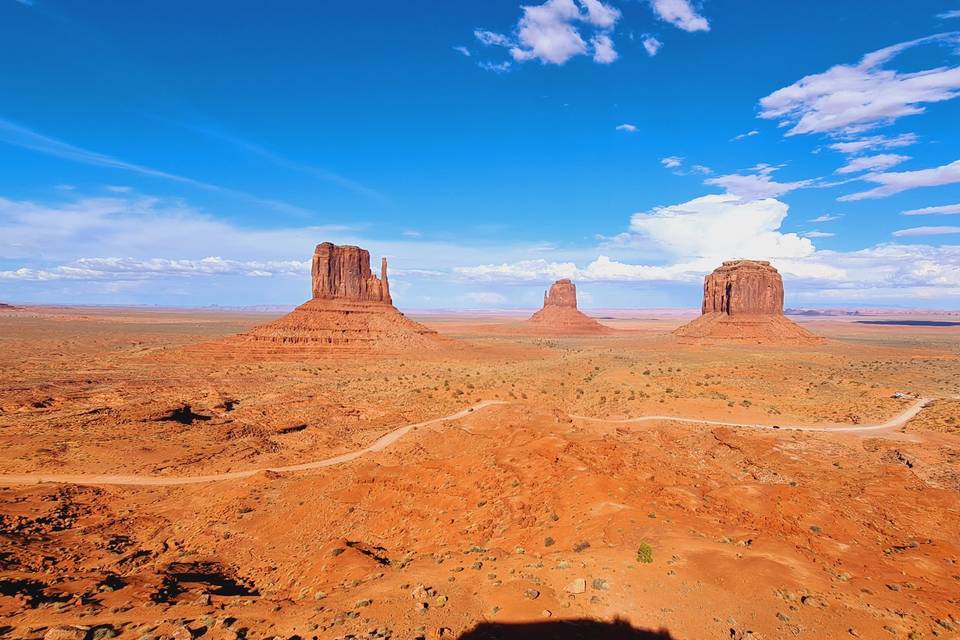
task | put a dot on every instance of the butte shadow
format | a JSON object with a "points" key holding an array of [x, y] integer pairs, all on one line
{"points": [[743, 303], [575, 629]]}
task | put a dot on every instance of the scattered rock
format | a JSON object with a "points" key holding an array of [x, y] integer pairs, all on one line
{"points": [[578, 585]]}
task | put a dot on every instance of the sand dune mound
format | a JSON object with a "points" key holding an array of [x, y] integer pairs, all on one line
{"points": [[743, 301], [560, 315], [351, 309]]}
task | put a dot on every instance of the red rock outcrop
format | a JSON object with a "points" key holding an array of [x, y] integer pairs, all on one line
{"points": [[743, 301], [344, 273], [351, 308], [560, 315]]}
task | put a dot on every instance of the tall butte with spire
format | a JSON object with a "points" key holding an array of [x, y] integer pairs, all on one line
{"points": [[743, 301], [351, 308], [560, 315]]}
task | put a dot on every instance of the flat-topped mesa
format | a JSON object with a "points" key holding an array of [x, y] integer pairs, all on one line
{"points": [[562, 293], [343, 273], [743, 287], [743, 301]]}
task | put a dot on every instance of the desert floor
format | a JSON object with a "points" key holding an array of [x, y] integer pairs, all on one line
{"points": [[541, 515]]}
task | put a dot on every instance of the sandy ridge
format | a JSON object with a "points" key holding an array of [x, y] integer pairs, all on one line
{"points": [[390, 437]]}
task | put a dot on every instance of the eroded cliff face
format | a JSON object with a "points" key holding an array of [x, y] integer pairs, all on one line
{"points": [[350, 309], [743, 287], [343, 273], [560, 315], [743, 302], [563, 293]]}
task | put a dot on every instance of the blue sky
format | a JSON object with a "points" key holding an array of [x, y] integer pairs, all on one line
{"points": [[185, 154]]}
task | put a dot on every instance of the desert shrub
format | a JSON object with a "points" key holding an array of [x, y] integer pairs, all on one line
{"points": [[645, 553]]}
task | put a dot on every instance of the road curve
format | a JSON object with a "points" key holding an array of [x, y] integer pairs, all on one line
{"points": [[379, 444], [893, 423], [390, 437]]}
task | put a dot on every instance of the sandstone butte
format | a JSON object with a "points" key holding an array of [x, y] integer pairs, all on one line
{"points": [[743, 301], [560, 315], [351, 308]]}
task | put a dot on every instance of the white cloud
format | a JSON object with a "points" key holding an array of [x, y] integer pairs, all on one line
{"points": [[462, 49], [926, 231], [491, 38], [651, 45], [485, 297], [860, 144], [132, 269], [20, 136], [671, 162], [757, 185], [680, 13], [817, 234], [748, 134], [878, 162], [701, 170], [495, 67], [825, 218], [953, 13], [943, 209], [722, 226], [629, 128], [896, 182], [849, 99], [603, 51], [551, 32]]}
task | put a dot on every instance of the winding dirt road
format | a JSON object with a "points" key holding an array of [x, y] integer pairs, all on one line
{"points": [[390, 437]]}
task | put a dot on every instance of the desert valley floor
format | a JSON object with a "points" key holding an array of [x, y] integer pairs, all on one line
{"points": [[533, 510]]}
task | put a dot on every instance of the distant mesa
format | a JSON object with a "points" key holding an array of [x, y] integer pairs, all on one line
{"points": [[351, 308], [560, 315], [743, 301]]}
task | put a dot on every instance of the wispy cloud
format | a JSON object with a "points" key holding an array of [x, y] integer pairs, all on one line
{"points": [[462, 49], [926, 231], [825, 218], [898, 181], [626, 126], [748, 134], [878, 162], [849, 99], [817, 234], [671, 162], [757, 184], [953, 13], [495, 67], [286, 163], [20, 136], [864, 143], [947, 209]]}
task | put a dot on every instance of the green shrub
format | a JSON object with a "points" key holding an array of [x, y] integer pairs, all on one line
{"points": [[645, 553]]}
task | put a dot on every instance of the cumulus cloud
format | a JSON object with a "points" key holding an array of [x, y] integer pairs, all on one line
{"points": [[603, 51], [629, 128], [849, 99], [758, 184], [926, 231], [651, 45], [942, 210], [553, 32], [681, 14], [878, 162], [896, 182]]}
